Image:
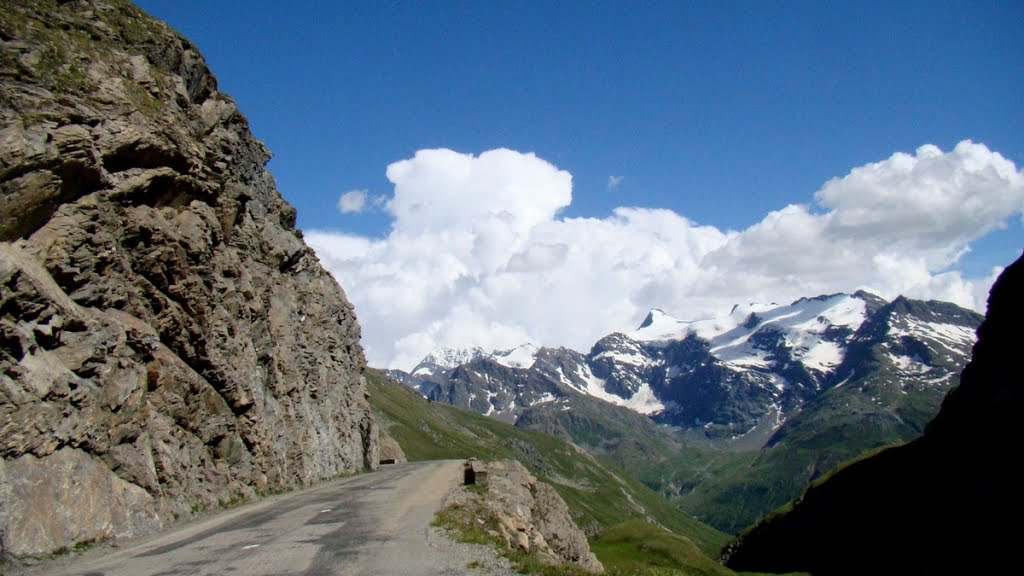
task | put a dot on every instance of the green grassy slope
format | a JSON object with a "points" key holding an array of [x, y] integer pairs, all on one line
{"points": [[599, 495], [663, 459], [840, 425], [638, 547]]}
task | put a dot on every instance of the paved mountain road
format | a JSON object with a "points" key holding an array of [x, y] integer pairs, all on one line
{"points": [[375, 523]]}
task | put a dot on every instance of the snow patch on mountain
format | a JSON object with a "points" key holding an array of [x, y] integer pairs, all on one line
{"points": [[909, 366], [544, 399], [823, 356], [635, 358], [519, 357], [643, 400], [448, 358], [953, 337]]}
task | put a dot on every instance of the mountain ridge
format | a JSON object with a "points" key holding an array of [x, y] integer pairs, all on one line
{"points": [[778, 357]]}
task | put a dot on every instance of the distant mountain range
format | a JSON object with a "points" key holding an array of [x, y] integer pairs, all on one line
{"points": [[737, 377], [729, 417]]}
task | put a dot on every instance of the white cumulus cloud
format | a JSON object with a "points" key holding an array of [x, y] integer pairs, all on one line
{"points": [[478, 254], [352, 202], [931, 201]]}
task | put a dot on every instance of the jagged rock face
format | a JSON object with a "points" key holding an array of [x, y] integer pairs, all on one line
{"points": [[947, 503], [168, 343]]}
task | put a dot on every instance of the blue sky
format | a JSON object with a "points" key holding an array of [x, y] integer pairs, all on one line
{"points": [[721, 112]]}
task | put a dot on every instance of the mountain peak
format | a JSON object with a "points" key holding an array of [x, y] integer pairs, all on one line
{"points": [[659, 326], [654, 315], [447, 358], [521, 356]]}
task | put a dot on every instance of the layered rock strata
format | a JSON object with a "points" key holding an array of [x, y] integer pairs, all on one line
{"points": [[168, 343]]}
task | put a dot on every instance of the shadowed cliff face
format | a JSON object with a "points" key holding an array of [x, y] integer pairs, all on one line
{"points": [[949, 502], [168, 343]]}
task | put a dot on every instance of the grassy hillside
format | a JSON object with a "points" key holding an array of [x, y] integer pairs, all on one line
{"points": [[598, 495], [731, 489], [662, 459], [638, 547], [841, 424]]}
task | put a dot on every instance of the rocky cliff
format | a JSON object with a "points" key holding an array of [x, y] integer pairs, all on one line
{"points": [[524, 514], [949, 502], [168, 343]]}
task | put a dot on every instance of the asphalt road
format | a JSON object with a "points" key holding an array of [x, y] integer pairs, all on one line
{"points": [[369, 524]]}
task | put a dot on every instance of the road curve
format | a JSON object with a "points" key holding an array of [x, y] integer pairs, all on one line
{"points": [[368, 524]]}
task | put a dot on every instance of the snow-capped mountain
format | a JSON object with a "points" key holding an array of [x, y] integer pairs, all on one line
{"points": [[521, 356], [740, 374], [446, 359], [812, 330]]}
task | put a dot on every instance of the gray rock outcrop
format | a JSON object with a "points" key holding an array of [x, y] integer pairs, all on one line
{"points": [[390, 450], [168, 343], [532, 516]]}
